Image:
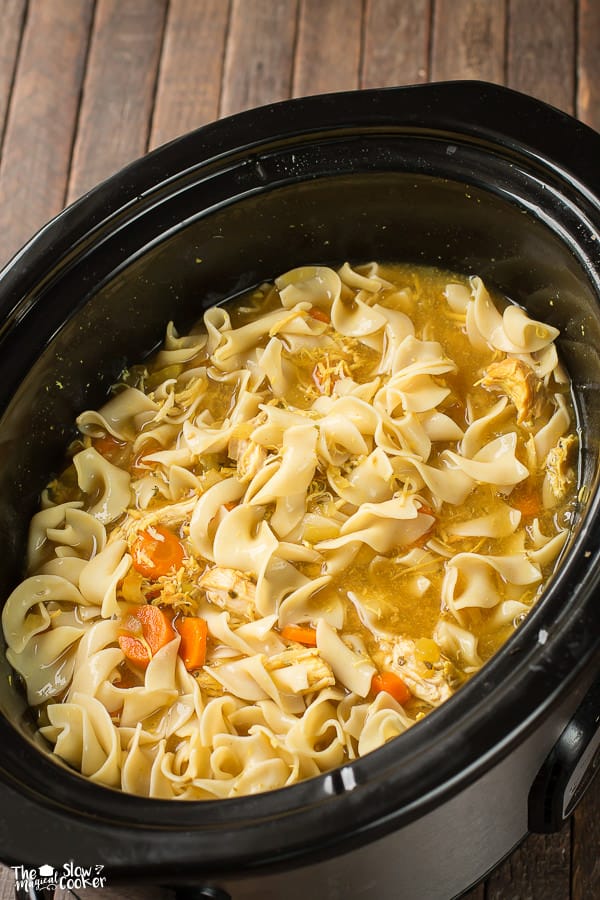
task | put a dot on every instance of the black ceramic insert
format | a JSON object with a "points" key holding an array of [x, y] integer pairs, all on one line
{"points": [[466, 176]]}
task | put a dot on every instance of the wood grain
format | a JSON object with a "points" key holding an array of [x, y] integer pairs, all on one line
{"points": [[118, 92], [41, 120], [585, 865], [191, 68], [588, 63], [323, 61], [12, 13], [468, 40], [478, 893], [396, 42], [259, 55], [541, 50], [538, 870]]}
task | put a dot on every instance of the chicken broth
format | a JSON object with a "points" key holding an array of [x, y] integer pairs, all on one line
{"points": [[295, 531]]}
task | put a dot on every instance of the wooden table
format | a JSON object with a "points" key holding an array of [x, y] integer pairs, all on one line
{"points": [[88, 85]]}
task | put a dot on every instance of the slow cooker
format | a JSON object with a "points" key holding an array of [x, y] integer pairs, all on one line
{"points": [[467, 176]]}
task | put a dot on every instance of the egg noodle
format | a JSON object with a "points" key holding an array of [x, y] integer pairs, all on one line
{"points": [[295, 532]]}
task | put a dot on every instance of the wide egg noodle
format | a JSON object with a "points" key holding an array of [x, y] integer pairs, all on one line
{"points": [[122, 417], [325, 466], [97, 476]]}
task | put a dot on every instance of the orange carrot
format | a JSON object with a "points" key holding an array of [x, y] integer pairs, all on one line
{"points": [[391, 684], [108, 446], [302, 634], [192, 649], [156, 551], [319, 314], [529, 505], [146, 631], [138, 466]]}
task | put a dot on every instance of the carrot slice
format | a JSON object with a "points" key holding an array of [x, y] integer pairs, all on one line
{"points": [[529, 505], [138, 467], [156, 551], [391, 684], [147, 631], [135, 651], [302, 634], [194, 633], [108, 446], [319, 314]]}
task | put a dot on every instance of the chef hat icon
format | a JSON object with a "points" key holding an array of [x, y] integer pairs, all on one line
{"points": [[46, 871]]}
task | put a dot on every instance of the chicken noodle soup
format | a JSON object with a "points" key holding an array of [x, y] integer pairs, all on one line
{"points": [[295, 532]]}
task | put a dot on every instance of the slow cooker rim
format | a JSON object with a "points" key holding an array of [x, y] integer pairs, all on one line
{"points": [[112, 197], [21, 262]]}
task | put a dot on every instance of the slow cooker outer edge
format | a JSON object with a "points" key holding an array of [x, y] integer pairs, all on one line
{"points": [[12, 274]]}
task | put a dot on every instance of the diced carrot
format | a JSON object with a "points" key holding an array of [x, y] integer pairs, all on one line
{"points": [[319, 314], [156, 551], [391, 684], [135, 651], [146, 631], [194, 633], [140, 468], [156, 626], [529, 505], [108, 446], [302, 634]]}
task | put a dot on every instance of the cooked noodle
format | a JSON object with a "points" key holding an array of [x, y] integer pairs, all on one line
{"points": [[339, 497]]}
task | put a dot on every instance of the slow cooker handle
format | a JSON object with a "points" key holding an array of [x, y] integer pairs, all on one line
{"points": [[569, 768]]}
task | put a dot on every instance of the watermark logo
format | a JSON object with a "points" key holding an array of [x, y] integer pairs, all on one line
{"points": [[69, 877]]}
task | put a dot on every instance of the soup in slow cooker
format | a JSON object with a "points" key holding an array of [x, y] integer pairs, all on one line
{"points": [[295, 531]]}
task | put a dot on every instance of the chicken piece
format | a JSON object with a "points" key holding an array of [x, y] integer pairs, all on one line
{"points": [[299, 670], [231, 590], [560, 474], [429, 681], [170, 515], [209, 686], [251, 458], [514, 378], [327, 371]]}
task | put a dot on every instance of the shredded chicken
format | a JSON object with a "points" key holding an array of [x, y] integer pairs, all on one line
{"points": [[558, 468], [251, 458], [169, 515], [428, 681], [209, 686], [316, 672], [329, 370], [514, 378], [231, 590]]}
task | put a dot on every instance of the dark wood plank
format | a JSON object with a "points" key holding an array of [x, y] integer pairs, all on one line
{"points": [[477, 893], [7, 884], [541, 50], [468, 40], [118, 92], [323, 61], [259, 54], [41, 120], [588, 63], [129, 892], [586, 845], [396, 42], [12, 14], [191, 68], [538, 870]]}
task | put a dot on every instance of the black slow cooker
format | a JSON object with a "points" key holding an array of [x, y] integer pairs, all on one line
{"points": [[468, 176]]}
